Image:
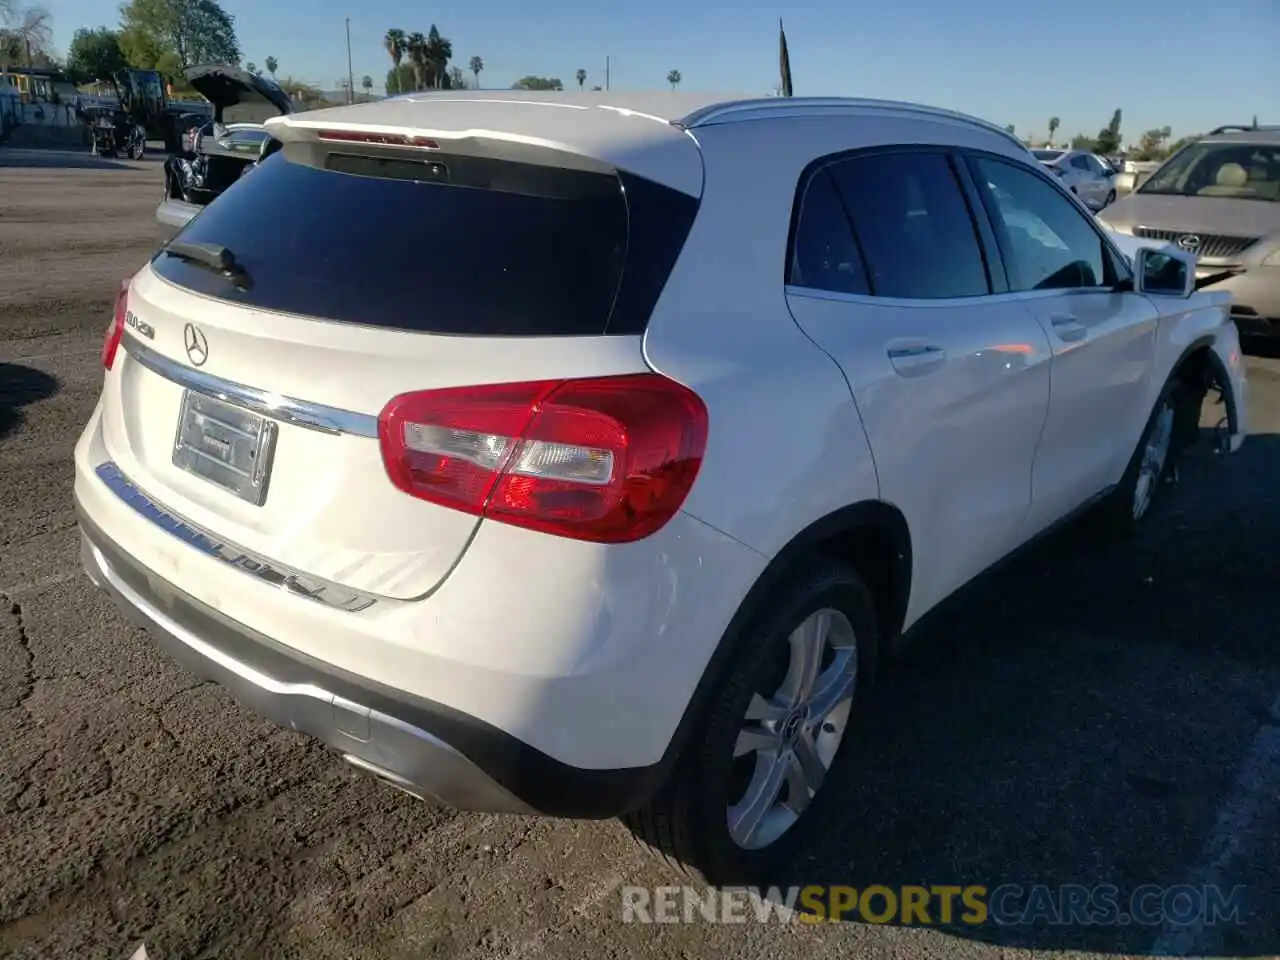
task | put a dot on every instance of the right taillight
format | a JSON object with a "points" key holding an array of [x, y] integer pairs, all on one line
{"points": [[608, 459], [111, 342]]}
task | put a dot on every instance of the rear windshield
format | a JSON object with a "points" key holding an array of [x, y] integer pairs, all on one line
{"points": [[450, 245]]}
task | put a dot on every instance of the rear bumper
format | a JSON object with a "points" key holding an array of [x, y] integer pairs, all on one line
{"points": [[425, 748]]}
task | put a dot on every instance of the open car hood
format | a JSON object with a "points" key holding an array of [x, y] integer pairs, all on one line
{"points": [[237, 95]]}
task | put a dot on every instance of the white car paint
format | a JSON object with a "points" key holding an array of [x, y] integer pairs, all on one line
{"points": [[1087, 175], [591, 652]]}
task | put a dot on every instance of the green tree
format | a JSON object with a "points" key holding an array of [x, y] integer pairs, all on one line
{"points": [[1109, 140], [271, 63], [367, 82], [96, 55], [416, 54], [1012, 129], [251, 67], [581, 77], [26, 34], [674, 78], [457, 80], [1081, 142], [477, 64], [401, 79], [538, 83], [436, 56], [397, 45], [1151, 146], [164, 34], [1054, 124]]}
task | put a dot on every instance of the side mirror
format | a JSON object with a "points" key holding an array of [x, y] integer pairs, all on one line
{"points": [[1165, 272]]}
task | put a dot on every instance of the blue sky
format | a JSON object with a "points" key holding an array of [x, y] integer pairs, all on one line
{"points": [[1190, 64]]}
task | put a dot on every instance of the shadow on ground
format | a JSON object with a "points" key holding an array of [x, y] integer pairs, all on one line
{"points": [[20, 386], [1046, 729], [61, 160]]}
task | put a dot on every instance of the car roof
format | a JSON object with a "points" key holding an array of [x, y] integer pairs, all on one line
{"points": [[647, 132], [1261, 135]]}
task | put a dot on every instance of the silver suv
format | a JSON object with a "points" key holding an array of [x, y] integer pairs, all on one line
{"points": [[1219, 198]]}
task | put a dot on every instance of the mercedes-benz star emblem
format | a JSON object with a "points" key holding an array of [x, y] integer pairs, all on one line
{"points": [[1189, 242], [197, 346]]}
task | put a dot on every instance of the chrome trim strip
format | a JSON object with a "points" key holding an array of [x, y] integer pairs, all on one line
{"points": [[300, 413], [267, 571]]}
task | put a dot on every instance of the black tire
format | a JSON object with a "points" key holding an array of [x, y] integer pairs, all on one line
{"points": [[1111, 198], [686, 824], [1119, 510]]}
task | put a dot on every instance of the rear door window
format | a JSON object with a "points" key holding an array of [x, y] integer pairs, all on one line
{"points": [[825, 256], [453, 245], [913, 225]]}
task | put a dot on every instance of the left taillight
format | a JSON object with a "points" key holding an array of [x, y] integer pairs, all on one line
{"points": [[608, 459], [111, 342]]}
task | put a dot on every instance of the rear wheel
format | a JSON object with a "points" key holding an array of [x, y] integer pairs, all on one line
{"points": [[746, 792]]}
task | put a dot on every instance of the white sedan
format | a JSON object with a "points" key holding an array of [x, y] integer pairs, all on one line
{"points": [[1086, 175]]}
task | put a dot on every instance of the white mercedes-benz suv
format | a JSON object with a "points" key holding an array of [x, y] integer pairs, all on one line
{"points": [[581, 454]]}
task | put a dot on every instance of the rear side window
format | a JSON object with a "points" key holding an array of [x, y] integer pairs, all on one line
{"points": [[913, 225], [451, 245], [825, 256]]}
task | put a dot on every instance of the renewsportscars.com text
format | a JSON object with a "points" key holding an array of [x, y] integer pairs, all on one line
{"points": [[1009, 904]]}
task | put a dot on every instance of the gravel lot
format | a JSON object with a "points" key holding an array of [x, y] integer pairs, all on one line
{"points": [[1094, 714]]}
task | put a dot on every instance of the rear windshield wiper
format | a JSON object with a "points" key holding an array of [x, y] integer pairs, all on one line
{"points": [[217, 258]]}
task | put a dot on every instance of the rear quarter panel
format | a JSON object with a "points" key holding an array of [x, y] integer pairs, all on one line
{"points": [[786, 445]]}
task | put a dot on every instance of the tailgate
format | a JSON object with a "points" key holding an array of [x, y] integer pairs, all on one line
{"points": [[245, 401]]}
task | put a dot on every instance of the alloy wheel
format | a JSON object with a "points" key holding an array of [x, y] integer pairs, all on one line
{"points": [[1155, 453], [789, 738]]}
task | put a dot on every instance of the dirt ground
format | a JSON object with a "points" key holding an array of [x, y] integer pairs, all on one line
{"points": [[1093, 715]]}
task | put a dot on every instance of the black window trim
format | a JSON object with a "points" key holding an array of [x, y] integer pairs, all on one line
{"points": [[1116, 261], [983, 234]]}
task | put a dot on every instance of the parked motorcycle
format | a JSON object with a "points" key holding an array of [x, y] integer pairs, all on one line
{"points": [[113, 136]]}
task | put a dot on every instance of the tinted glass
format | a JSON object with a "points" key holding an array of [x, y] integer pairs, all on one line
{"points": [[1047, 242], [913, 226], [1243, 171], [458, 245], [1081, 162], [825, 256]]}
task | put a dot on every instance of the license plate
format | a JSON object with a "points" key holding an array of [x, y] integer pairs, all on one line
{"points": [[226, 445]]}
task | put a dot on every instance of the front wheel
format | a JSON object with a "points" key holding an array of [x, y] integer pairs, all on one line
{"points": [[746, 792], [1153, 465]]}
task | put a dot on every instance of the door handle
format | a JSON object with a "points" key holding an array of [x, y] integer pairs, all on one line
{"points": [[1069, 329], [915, 356]]}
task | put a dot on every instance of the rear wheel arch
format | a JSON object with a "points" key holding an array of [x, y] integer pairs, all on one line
{"points": [[871, 537]]}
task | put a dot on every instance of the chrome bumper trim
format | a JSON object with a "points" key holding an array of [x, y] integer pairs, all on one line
{"points": [[299, 413], [323, 591]]}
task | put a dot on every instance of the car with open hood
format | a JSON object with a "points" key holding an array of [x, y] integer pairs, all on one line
{"points": [[1218, 198], [215, 153]]}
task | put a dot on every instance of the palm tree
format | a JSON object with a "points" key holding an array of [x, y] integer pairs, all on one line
{"points": [[396, 46], [438, 53], [477, 64], [1054, 124], [582, 77], [416, 47], [271, 63], [367, 83], [674, 78]]}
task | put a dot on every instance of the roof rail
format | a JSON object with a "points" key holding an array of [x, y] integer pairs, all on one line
{"points": [[1240, 128], [796, 107]]}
